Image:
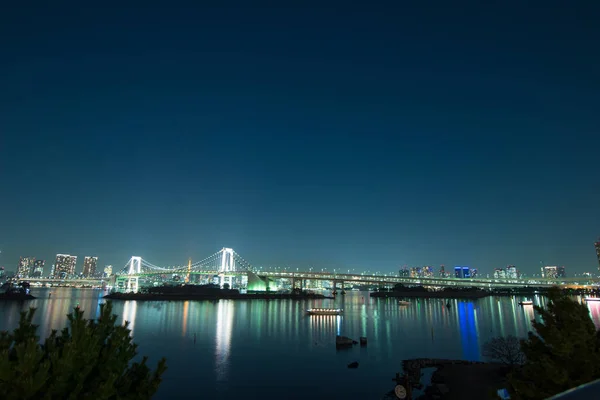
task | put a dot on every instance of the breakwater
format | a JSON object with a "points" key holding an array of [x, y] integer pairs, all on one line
{"points": [[213, 296], [433, 295]]}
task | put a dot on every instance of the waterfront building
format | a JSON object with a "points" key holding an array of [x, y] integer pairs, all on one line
{"points": [[560, 273], [38, 268], [473, 272], [499, 273], [511, 272], [466, 271], [442, 271], [24, 269], [458, 272], [64, 266], [107, 271], [549, 271], [89, 266]]}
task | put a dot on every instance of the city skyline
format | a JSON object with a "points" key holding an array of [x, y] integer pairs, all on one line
{"points": [[434, 134], [90, 267]]}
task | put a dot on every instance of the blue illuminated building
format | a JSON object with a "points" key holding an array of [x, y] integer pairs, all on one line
{"points": [[458, 272]]}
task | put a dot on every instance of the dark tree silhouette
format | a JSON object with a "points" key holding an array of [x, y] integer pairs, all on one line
{"points": [[506, 350], [87, 360], [562, 354]]}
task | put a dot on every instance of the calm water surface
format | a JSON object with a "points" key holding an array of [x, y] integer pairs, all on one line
{"points": [[272, 349]]}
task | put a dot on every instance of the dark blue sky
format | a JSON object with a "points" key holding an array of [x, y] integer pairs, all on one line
{"points": [[341, 135]]}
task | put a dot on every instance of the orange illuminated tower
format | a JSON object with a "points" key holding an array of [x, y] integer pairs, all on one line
{"points": [[187, 278]]}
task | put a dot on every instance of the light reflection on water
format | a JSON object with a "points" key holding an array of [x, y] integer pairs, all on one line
{"points": [[255, 348], [225, 311]]}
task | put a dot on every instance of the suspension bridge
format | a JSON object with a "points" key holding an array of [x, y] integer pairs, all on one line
{"points": [[227, 267]]}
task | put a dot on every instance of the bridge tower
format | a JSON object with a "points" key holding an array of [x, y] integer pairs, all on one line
{"points": [[227, 267], [135, 265]]}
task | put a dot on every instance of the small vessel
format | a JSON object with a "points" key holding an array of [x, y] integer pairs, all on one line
{"points": [[343, 342], [324, 311], [526, 303], [353, 364], [403, 303]]}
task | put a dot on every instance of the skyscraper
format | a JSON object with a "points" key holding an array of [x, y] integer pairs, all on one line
{"points": [[511, 272], [25, 266], [89, 266], [64, 267], [38, 268], [107, 271]]}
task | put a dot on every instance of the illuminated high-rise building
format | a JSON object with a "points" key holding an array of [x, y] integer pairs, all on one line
{"points": [[560, 273], [499, 273], [442, 271], [64, 266], [511, 272], [89, 266], [458, 272], [550, 272], [24, 269], [107, 271], [38, 268]]}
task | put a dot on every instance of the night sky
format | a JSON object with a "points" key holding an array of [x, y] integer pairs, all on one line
{"points": [[338, 135]]}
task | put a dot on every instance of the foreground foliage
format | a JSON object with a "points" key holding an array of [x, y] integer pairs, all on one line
{"points": [[87, 360], [564, 353], [506, 350]]}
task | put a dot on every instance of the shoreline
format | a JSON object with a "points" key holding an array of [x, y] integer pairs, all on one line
{"points": [[432, 295], [454, 379], [220, 296], [16, 297]]}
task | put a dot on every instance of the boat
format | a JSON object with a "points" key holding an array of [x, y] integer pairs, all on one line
{"points": [[403, 303], [592, 299], [324, 311], [526, 303]]}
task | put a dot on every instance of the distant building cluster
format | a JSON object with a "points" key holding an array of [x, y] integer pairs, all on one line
{"points": [[510, 272], [63, 268], [553, 272], [417, 272], [464, 272]]}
